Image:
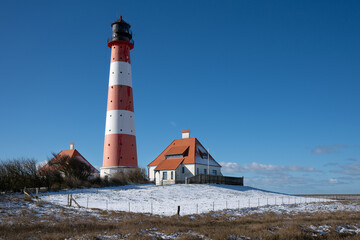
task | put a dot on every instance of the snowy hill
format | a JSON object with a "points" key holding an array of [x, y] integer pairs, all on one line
{"points": [[163, 200]]}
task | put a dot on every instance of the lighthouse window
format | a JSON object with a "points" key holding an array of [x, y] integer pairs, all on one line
{"points": [[120, 72], [109, 145], [120, 157], [120, 115], [112, 72], [120, 100], [110, 115], [121, 130]]}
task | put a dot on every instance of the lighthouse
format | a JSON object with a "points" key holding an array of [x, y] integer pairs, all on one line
{"points": [[120, 142]]}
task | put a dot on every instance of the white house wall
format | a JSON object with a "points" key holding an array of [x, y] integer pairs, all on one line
{"points": [[190, 170], [151, 173], [168, 180], [199, 160], [201, 168]]}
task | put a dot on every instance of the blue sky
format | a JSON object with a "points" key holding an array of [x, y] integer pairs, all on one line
{"points": [[271, 87]]}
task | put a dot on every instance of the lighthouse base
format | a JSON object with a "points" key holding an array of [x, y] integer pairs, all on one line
{"points": [[109, 172]]}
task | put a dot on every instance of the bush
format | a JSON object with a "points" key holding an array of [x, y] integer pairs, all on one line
{"points": [[70, 167], [16, 174], [135, 175], [119, 178], [64, 172], [73, 182]]}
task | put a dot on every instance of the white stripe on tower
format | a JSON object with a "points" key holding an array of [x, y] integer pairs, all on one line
{"points": [[120, 74], [120, 122]]}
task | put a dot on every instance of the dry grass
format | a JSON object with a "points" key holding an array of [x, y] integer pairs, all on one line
{"points": [[64, 223]]}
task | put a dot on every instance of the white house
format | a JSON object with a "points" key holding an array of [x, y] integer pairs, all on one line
{"points": [[183, 158]]}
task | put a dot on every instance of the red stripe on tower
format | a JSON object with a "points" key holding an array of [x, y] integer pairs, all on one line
{"points": [[120, 141]]}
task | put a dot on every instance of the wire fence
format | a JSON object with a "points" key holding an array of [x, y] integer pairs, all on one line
{"points": [[190, 207]]}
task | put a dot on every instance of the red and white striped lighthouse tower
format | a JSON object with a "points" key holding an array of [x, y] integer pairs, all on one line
{"points": [[120, 141]]}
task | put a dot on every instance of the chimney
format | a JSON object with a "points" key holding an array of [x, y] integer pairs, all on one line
{"points": [[71, 146], [185, 133]]}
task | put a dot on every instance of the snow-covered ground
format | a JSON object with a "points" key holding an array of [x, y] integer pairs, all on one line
{"points": [[192, 199]]}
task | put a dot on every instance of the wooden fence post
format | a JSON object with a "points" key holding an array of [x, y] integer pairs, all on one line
{"points": [[178, 211], [72, 199]]}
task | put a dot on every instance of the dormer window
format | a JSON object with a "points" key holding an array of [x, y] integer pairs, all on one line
{"points": [[177, 152], [174, 156], [203, 155]]}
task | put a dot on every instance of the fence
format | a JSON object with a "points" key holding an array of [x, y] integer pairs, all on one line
{"points": [[215, 179], [332, 196], [190, 207]]}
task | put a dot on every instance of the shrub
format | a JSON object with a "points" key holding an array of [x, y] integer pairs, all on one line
{"points": [[70, 167], [137, 175], [119, 178], [16, 174]]}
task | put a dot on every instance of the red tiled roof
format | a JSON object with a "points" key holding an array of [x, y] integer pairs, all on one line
{"points": [[73, 153], [169, 164], [184, 143], [177, 150]]}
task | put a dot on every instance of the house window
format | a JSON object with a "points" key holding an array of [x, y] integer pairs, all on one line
{"points": [[172, 175], [205, 171], [164, 175], [197, 171], [214, 172], [183, 169], [174, 156]]}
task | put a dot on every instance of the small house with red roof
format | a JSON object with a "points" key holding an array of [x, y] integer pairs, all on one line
{"points": [[182, 159], [72, 153]]}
